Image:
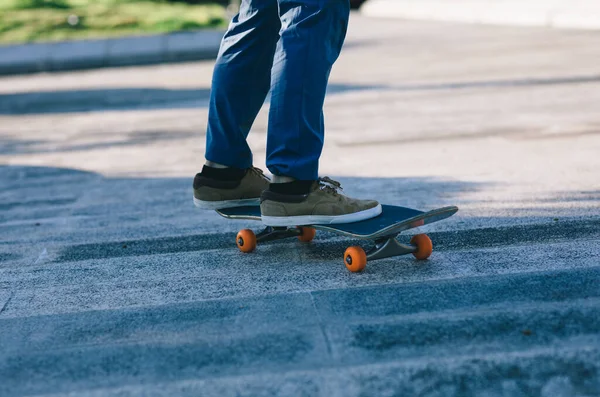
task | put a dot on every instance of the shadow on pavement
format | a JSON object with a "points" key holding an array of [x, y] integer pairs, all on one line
{"points": [[119, 99], [116, 138], [123, 99], [118, 285], [522, 82], [121, 217]]}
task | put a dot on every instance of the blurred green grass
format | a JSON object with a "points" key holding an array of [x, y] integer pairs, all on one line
{"points": [[24, 21]]}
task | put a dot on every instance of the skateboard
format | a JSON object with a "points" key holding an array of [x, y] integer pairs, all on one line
{"points": [[382, 230]]}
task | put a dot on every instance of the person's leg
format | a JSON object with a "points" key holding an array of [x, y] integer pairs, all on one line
{"points": [[241, 81], [312, 35]]}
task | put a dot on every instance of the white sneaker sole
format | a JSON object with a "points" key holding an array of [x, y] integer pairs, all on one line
{"points": [[217, 205], [283, 221]]}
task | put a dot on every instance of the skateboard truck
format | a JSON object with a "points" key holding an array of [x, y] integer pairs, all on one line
{"points": [[271, 233], [388, 247]]}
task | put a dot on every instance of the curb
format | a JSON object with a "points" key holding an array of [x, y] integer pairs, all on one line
{"points": [[125, 51], [576, 14]]}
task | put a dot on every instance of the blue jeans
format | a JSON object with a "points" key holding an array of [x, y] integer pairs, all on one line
{"points": [[289, 47]]}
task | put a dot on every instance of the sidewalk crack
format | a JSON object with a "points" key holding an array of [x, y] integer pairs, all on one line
{"points": [[12, 293], [321, 326]]}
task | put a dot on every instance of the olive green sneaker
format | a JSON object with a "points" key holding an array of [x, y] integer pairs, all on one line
{"points": [[323, 205], [211, 194]]}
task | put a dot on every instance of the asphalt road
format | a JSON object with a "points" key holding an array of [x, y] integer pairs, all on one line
{"points": [[112, 283]]}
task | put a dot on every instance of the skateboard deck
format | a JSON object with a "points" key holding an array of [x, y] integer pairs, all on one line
{"points": [[392, 221], [382, 230]]}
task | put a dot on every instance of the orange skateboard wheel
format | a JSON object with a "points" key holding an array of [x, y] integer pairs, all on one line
{"points": [[307, 234], [246, 240], [424, 246], [355, 259]]}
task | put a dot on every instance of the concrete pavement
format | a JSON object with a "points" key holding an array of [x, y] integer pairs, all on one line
{"points": [[112, 283]]}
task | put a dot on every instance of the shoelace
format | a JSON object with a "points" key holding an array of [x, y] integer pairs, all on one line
{"points": [[329, 185], [259, 172], [325, 183]]}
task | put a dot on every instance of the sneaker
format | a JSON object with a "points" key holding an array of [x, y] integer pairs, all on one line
{"points": [[213, 194], [323, 205]]}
